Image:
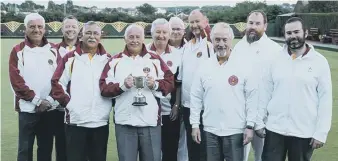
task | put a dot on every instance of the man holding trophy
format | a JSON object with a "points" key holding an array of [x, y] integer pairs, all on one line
{"points": [[137, 79]]}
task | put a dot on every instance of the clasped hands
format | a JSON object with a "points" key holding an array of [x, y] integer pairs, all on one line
{"points": [[44, 106]]}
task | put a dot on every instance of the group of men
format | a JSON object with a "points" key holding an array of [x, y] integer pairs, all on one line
{"points": [[205, 100]]}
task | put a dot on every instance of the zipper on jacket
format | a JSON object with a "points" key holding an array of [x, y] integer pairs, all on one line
{"points": [[293, 68]]}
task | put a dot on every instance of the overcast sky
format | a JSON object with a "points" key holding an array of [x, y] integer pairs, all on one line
{"points": [[156, 3]]}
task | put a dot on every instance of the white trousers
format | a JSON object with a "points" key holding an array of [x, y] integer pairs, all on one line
{"points": [[257, 145]]}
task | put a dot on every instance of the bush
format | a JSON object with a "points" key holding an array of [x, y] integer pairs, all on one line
{"points": [[323, 21]]}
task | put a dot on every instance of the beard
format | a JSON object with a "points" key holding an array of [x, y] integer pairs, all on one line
{"points": [[252, 37], [295, 42], [221, 52]]}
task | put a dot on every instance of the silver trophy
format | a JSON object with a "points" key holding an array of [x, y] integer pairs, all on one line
{"points": [[139, 99]]}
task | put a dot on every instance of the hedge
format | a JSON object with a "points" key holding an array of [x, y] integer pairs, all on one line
{"points": [[323, 21]]}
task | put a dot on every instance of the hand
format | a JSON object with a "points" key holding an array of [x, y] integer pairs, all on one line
{"points": [[196, 135], [150, 82], [129, 82], [315, 144], [260, 133], [174, 113], [44, 106], [248, 135], [59, 107]]}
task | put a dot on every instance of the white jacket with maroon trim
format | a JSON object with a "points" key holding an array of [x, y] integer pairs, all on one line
{"points": [[63, 48], [30, 71], [172, 57], [75, 85], [112, 85]]}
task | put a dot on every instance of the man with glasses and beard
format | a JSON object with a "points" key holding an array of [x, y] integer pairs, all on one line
{"points": [[75, 85], [260, 50], [228, 91], [296, 98]]}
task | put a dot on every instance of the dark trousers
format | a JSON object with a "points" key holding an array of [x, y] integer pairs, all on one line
{"points": [[170, 138], [230, 148], [33, 125], [82, 142], [59, 134], [196, 152], [276, 147]]}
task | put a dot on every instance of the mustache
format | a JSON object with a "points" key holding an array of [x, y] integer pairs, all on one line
{"points": [[221, 47], [251, 30]]}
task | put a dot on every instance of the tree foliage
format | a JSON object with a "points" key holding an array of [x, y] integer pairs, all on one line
{"points": [[316, 6], [146, 9], [147, 13]]}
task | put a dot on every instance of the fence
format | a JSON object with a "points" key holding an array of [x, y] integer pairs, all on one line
{"points": [[109, 30]]}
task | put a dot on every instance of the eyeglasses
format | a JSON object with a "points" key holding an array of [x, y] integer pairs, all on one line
{"points": [[176, 29]]}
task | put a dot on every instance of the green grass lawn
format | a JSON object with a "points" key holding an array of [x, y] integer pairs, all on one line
{"points": [[9, 122]]}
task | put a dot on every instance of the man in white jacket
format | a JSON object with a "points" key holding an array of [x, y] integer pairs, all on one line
{"points": [[70, 30], [196, 51], [260, 49], [75, 85], [170, 130], [177, 40], [227, 89], [137, 128], [31, 67], [296, 98]]}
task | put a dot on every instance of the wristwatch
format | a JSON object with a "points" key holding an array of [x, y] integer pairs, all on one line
{"points": [[249, 127]]}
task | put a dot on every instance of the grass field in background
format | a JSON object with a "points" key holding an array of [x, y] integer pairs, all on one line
{"points": [[9, 118]]}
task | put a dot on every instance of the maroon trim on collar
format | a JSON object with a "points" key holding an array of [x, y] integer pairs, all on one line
{"points": [[205, 33], [63, 43], [100, 49], [167, 49], [143, 52], [28, 42], [306, 51]]}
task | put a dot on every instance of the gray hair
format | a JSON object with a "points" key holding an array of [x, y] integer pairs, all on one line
{"points": [[222, 25], [34, 16], [177, 19], [89, 23], [159, 21], [134, 25]]}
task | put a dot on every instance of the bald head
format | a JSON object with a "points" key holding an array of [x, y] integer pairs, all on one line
{"points": [[197, 22], [196, 11]]}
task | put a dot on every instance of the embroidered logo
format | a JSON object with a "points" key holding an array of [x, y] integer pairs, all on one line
{"points": [[199, 54], [50, 61], [169, 63], [310, 69], [233, 80], [146, 70]]}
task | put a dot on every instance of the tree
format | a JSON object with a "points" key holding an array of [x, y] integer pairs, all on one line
{"points": [[146, 9], [322, 6], [3, 7], [273, 11]]}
